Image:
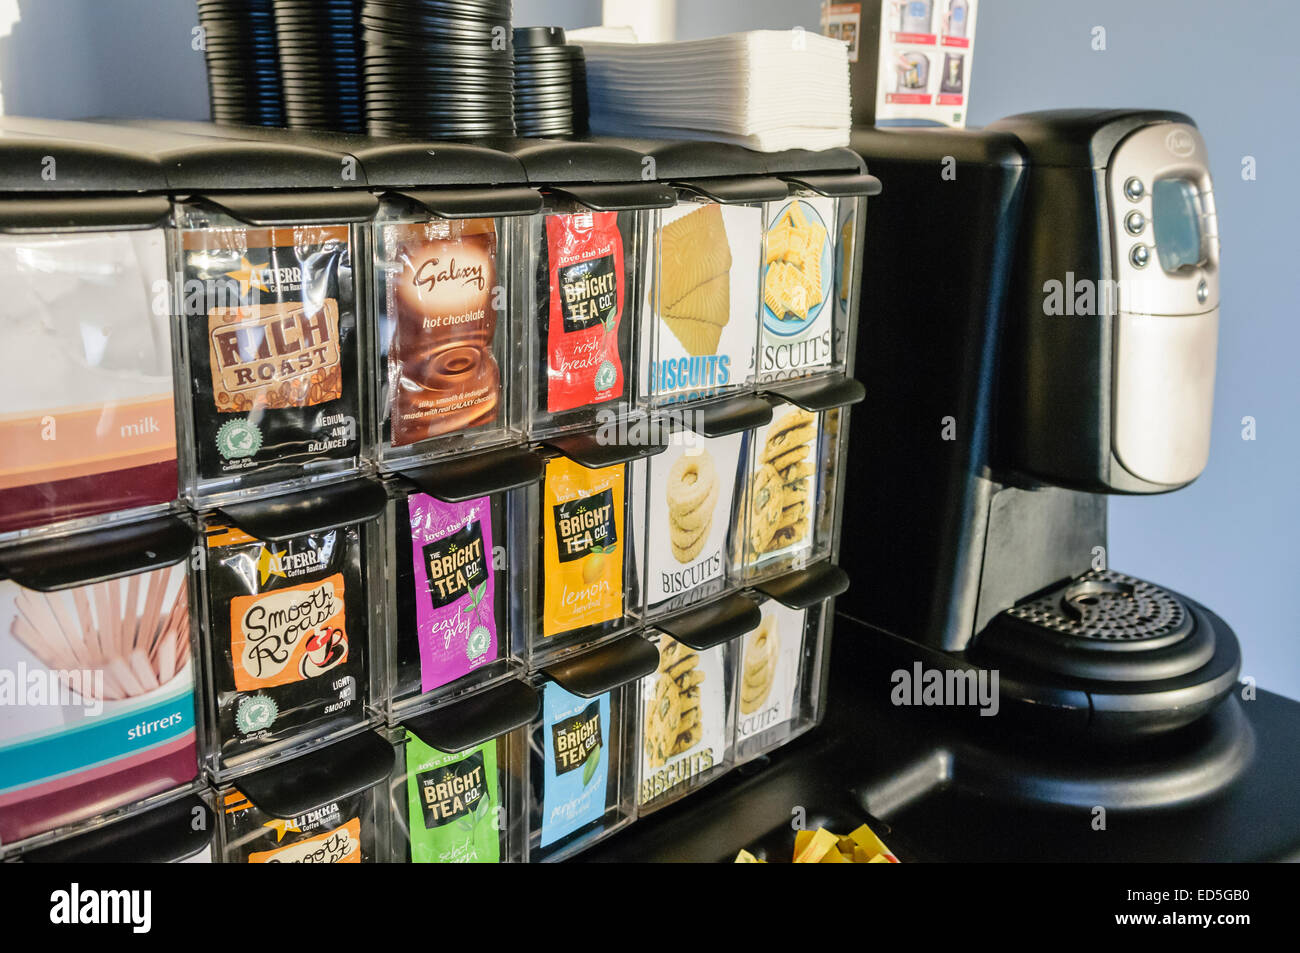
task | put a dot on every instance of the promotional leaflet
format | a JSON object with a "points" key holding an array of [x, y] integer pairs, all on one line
{"points": [[576, 737]]}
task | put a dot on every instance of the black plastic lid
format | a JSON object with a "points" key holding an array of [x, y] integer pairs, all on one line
{"points": [[839, 184], [819, 393], [588, 450], [600, 670], [806, 588], [476, 203], [934, 144], [689, 159], [384, 163], [83, 213], [620, 197], [468, 477], [527, 37], [289, 788], [162, 835], [718, 418], [1079, 138], [708, 625], [96, 555], [807, 160], [299, 208], [553, 161], [27, 147], [738, 189], [316, 510], [477, 718]]}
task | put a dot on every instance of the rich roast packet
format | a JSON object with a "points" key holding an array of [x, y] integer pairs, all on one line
{"points": [[271, 325]]}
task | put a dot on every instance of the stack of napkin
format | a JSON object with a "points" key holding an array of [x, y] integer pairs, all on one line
{"points": [[765, 89]]}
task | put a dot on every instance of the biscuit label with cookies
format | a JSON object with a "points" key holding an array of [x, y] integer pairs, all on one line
{"points": [[270, 320], [582, 545], [455, 587], [702, 300], [691, 491], [452, 804], [575, 761], [586, 295], [798, 275], [683, 717], [769, 670], [439, 327], [783, 484]]}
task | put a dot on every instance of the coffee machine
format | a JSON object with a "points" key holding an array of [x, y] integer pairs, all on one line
{"points": [[1038, 330]]}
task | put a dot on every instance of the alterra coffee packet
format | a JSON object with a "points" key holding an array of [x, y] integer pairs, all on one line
{"points": [[454, 580], [440, 328], [582, 546], [287, 625], [576, 735], [338, 832], [582, 320], [270, 317], [453, 802]]}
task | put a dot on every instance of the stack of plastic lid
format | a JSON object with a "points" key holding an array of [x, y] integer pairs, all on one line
{"points": [[320, 64], [243, 68], [550, 83], [440, 69]]}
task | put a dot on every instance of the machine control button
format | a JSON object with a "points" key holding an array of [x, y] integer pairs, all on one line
{"points": [[1135, 221], [1139, 256], [1202, 292], [1134, 189]]}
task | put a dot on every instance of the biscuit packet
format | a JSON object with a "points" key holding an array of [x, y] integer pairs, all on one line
{"points": [[798, 288], [701, 301], [581, 313], [271, 330], [767, 674], [785, 459], [685, 719], [583, 545], [687, 518], [286, 623]]}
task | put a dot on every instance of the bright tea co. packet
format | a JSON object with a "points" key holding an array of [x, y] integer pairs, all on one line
{"points": [[582, 546], [453, 802], [576, 734], [455, 581], [582, 316], [287, 626], [270, 317], [440, 327]]}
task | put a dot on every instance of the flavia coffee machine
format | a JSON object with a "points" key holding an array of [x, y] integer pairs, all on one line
{"points": [[1039, 330]]}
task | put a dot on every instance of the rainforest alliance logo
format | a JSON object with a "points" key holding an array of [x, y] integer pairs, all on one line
{"points": [[238, 439]]}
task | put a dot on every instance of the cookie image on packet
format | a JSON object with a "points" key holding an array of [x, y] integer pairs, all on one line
{"points": [[781, 492], [692, 496], [695, 279], [673, 718], [762, 648]]}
